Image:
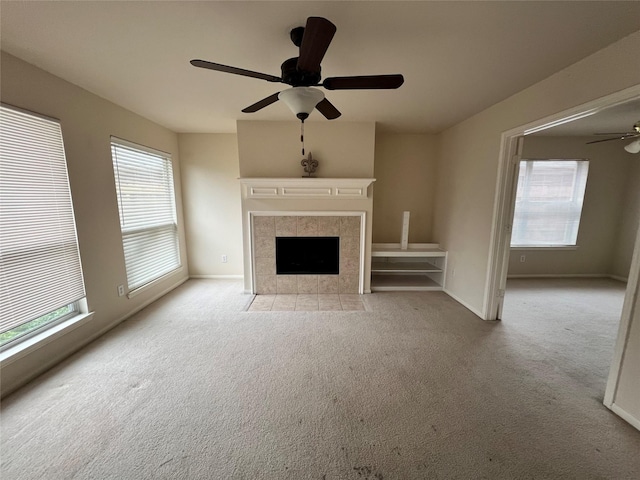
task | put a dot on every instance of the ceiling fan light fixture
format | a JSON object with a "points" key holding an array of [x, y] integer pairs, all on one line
{"points": [[301, 100], [633, 147]]}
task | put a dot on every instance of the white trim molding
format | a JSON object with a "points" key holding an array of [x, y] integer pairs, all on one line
{"points": [[304, 187], [214, 277], [626, 416]]}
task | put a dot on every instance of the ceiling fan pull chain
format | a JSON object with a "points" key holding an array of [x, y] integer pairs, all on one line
{"points": [[302, 135]]}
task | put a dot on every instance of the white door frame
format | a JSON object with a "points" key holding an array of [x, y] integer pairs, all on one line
{"points": [[504, 200], [504, 203]]}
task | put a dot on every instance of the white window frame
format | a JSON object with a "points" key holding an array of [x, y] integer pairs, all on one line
{"points": [[35, 187], [525, 206], [139, 228]]}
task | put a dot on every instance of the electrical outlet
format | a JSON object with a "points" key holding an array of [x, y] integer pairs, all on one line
{"points": [[223, 258], [523, 258], [120, 290]]}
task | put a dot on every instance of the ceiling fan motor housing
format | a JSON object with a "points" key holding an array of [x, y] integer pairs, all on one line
{"points": [[298, 78]]}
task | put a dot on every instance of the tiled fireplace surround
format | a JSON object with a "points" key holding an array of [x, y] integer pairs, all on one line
{"points": [[268, 226], [304, 207]]}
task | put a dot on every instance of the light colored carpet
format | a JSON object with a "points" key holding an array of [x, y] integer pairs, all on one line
{"points": [[416, 387]]}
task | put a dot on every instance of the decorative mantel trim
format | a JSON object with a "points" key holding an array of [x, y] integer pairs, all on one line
{"points": [[338, 188]]}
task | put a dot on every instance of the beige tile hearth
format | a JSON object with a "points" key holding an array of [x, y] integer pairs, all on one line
{"points": [[328, 302], [307, 303], [284, 303], [262, 303]]}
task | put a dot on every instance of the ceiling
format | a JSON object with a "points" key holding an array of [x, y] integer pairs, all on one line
{"points": [[457, 57]]}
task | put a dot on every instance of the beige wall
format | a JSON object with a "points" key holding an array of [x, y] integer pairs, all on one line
{"points": [[604, 204], [470, 153], [405, 172], [273, 149], [629, 220], [87, 124], [211, 199]]}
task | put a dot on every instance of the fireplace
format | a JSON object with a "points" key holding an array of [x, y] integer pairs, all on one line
{"points": [[276, 235], [307, 211], [307, 255]]}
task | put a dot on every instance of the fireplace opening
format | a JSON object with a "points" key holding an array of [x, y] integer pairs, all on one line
{"points": [[307, 255]]}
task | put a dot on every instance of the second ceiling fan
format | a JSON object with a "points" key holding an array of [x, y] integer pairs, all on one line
{"points": [[303, 74]]}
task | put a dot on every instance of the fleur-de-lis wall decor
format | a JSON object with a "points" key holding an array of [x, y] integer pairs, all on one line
{"points": [[310, 165]]}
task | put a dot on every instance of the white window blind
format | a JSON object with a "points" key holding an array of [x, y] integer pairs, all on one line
{"points": [[40, 268], [144, 184], [549, 201]]}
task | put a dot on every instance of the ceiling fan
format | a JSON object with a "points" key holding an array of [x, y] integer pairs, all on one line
{"points": [[633, 147], [303, 74]]}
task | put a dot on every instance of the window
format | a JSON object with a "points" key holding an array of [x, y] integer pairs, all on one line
{"points": [[40, 270], [549, 202], [144, 185]]}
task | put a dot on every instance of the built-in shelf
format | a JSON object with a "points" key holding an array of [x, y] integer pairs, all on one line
{"points": [[390, 283], [403, 267], [421, 266]]}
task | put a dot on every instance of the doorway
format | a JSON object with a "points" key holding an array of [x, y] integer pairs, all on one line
{"points": [[511, 149]]}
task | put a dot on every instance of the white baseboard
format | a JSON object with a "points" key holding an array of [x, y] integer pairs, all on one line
{"points": [[559, 275], [137, 309], [626, 416], [217, 276], [620, 279], [567, 275], [464, 304]]}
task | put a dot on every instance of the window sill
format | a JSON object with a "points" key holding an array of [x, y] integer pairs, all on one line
{"points": [[545, 247], [25, 347]]}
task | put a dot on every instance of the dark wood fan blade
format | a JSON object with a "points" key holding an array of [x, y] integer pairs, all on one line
{"points": [[236, 71], [318, 34], [624, 136], [265, 102], [363, 82], [326, 108]]}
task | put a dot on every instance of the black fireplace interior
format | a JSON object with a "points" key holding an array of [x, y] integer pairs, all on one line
{"points": [[307, 255]]}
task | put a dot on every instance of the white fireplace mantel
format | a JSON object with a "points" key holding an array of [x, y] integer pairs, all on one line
{"points": [[305, 187], [306, 197]]}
